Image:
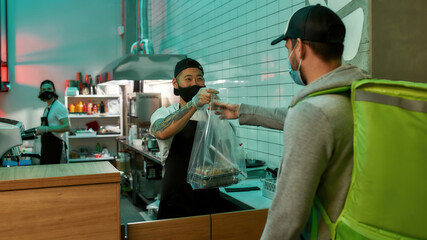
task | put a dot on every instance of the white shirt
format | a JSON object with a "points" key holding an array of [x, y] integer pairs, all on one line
{"points": [[163, 112], [57, 112]]}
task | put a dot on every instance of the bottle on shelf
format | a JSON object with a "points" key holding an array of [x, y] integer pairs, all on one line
{"points": [[79, 81], [79, 107], [72, 108], [84, 108], [98, 147], [95, 109], [89, 108], [102, 107], [85, 90], [106, 106]]}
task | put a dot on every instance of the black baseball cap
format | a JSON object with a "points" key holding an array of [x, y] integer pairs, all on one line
{"points": [[314, 23], [187, 63]]}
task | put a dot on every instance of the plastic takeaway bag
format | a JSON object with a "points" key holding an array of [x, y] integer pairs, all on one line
{"points": [[217, 159]]}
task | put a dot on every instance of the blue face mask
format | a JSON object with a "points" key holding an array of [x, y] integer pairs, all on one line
{"points": [[295, 74]]}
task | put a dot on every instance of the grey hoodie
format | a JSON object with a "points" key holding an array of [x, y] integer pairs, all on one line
{"points": [[317, 155]]}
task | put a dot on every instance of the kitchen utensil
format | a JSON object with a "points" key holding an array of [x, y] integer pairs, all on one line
{"points": [[273, 171], [241, 189], [251, 163]]}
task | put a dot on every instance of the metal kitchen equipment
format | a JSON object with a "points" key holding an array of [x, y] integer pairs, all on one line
{"points": [[142, 63], [12, 133], [142, 67], [146, 105]]}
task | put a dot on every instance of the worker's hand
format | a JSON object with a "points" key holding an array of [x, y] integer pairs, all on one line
{"points": [[226, 110], [42, 129], [204, 96]]}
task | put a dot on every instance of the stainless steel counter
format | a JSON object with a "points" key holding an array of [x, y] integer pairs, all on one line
{"points": [[138, 173], [140, 150], [247, 199]]}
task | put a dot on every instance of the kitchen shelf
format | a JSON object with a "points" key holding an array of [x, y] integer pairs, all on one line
{"points": [[95, 136], [94, 96], [91, 159], [76, 115], [89, 142]]}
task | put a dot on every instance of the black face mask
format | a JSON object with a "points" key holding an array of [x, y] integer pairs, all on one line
{"points": [[47, 95], [188, 93]]}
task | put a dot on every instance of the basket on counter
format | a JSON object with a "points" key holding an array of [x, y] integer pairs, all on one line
{"points": [[268, 188]]}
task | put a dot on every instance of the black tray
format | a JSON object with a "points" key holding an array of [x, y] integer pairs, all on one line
{"points": [[214, 181]]}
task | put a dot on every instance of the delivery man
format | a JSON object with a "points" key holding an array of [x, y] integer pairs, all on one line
{"points": [[53, 124], [318, 130], [174, 127]]}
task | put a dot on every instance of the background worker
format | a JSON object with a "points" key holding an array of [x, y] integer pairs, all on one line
{"points": [[53, 124]]}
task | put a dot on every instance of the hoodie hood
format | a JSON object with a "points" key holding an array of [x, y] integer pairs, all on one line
{"points": [[342, 76]]}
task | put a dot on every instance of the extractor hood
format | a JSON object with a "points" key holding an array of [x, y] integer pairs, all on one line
{"points": [[141, 63], [142, 67]]}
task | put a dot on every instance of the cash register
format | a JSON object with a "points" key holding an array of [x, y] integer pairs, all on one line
{"points": [[12, 135]]}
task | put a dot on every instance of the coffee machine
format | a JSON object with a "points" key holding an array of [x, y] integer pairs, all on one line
{"points": [[12, 135]]}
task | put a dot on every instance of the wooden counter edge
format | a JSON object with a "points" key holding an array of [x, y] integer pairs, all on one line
{"points": [[32, 183]]}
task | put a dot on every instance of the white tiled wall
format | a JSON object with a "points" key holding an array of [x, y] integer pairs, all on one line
{"points": [[231, 39]]}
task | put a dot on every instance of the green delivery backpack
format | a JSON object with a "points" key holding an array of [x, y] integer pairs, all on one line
{"points": [[387, 198]]}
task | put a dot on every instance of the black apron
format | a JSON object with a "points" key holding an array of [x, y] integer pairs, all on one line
{"points": [[178, 199], [51, 145]]}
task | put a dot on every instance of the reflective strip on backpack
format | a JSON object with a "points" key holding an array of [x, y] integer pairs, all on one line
{"points": [[411, 105]]}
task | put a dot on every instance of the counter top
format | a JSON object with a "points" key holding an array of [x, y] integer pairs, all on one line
{"points": [[247, 199], [54, 175], [140, 149]]}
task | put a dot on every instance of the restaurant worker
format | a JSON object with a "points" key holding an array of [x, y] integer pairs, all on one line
{"points": [[318, 131], [53, 124], [174, 127]]}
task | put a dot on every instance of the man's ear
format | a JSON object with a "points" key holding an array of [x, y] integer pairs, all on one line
{"points": [[300, 49], [175, 83]]}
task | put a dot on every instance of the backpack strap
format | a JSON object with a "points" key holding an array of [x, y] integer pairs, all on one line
{"points": [[336, 90], [317, 206], [330, 90]]}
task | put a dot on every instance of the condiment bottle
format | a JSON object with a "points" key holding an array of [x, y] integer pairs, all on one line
{"points": [[89, 108], [79, 81], [98, 147], [106, 107], [84, 107], [79, 107], [72, 108], [95, 109]]}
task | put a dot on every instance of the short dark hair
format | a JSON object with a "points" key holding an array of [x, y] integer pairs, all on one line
{"points": [[48, 81], [326, 51]]}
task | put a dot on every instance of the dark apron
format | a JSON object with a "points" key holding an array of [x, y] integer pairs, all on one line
{"points": [[178, 199], [51, 145]]}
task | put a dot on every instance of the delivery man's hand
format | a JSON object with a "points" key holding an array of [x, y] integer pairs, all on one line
{"points": [[226, 110], [204, 96]]}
